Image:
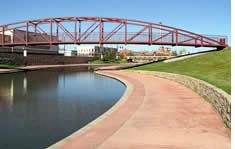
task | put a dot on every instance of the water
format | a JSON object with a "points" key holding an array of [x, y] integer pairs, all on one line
{"points": [[39, 108]]}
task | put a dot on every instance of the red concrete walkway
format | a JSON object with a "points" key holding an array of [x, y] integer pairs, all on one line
{"points": [[159, 114]]}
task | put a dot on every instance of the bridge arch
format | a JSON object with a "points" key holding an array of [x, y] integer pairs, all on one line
{"points": [[101, 30]]}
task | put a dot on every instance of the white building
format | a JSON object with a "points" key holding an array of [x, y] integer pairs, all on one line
{"points": [[92, 51], [89, 51], [70, 53], [8, 34]]}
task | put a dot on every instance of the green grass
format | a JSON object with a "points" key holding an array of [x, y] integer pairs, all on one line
{"points": [[108, 62], [9, 66], [214, 68]]}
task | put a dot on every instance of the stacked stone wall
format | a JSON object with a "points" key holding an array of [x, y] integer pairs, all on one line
{"points": [[220, 100], [41, 59]]}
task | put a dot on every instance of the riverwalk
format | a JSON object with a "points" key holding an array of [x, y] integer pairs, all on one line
{"points": [[158, 114]]}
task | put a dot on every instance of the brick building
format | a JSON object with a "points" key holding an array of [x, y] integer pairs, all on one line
{"points": [[125, 52], [18, 36]]}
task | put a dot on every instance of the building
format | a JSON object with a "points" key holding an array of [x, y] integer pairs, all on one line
{"points": [[61, 51], [70, 53], [164, 51], [92, 51], [8, 37], [19, 36], [125, 52], [89, 51], [143, 53]]}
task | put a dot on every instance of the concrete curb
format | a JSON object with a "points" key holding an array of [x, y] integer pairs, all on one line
{"points": [[123, 99], [219, 99], [11, 71]]}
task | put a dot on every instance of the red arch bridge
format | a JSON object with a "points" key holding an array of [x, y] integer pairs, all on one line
{"points": [[101, 30]]}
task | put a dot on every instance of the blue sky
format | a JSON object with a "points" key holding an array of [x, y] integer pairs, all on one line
{"points": [[199, 16]]}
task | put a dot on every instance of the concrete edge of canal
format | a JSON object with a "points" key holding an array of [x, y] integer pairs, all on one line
{"points": [[122, 100]]}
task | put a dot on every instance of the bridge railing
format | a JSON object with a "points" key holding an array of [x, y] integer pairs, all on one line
{"points": [[55, 31], [144, 38]]}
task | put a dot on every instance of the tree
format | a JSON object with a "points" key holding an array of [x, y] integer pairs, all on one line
{"points": [[130, 54], [121, 56]]}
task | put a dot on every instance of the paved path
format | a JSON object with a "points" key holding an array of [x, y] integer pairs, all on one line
{"points": [[159, 114]]}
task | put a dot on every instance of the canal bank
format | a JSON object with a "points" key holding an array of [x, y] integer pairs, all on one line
{"points": [[159, 113]]}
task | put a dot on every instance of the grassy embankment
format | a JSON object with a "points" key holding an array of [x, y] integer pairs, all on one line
{"points": [[214, 68]]}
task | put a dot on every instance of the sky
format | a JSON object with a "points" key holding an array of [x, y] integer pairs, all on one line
{"points": [[199, 16]]}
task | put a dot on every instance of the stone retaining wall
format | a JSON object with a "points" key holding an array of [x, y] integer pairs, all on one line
{"points": [[38, 59], [217, 97]]}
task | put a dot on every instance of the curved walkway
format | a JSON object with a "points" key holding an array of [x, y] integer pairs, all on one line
{"points": [[159, 114]]}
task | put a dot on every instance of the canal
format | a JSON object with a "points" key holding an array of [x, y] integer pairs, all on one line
{"points": [[39, 108]]}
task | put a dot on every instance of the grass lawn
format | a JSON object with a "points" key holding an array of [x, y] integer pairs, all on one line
{"points": [[214, 68], [9, 66], [108, 62]]}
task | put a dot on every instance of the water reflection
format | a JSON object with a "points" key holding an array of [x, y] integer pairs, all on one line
{"points": [[7, 93], [25, 85], [38, 108]]}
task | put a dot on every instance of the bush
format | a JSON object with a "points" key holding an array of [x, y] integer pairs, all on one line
{"points": [[108, 56]]}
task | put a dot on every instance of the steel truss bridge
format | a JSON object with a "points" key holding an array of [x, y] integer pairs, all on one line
{"points": [[101, 30]]}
